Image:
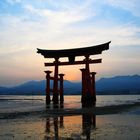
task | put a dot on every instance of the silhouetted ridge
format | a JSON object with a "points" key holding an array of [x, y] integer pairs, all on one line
{"points": [[119, 84], [114, 85]]}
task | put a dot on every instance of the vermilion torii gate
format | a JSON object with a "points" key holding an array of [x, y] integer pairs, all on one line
{"points": [[88, 78]]}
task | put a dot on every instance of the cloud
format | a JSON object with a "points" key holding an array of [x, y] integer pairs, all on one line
{"points": [[13, 1], [18, 32], [65, 27], [57, 26], [62, 17], [60, 28], [133, 5]]}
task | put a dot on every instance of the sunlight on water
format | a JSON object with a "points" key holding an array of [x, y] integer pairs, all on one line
{"points": [[32, 103], [86, 126], [63, 126]]}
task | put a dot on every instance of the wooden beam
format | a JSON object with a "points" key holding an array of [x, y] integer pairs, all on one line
{"points": [[71, 53], [74, 63]]}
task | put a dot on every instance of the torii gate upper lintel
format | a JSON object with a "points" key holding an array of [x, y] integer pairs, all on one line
{"points": [[88, 79]]}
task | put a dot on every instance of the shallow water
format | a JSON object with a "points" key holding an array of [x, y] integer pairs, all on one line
{"points": [[85, 126], [32, 103]]}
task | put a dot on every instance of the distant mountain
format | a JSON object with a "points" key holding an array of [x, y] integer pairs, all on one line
{"points": [[114, 85], [119, 85], [3, 89], [73, 88], [32, 87], [38, 88]]}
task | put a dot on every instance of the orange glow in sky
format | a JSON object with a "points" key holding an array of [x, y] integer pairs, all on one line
{"points": [[28, 25]]}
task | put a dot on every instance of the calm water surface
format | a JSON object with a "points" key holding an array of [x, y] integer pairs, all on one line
{"points": [[76, 127], [28, 103]]}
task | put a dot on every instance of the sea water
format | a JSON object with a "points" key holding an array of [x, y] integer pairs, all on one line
{"points": [[13, 103], [86, 126]]}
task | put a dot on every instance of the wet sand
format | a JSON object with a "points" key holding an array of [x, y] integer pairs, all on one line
{"points": [[119, 122], [107, 127], [50, 111]]}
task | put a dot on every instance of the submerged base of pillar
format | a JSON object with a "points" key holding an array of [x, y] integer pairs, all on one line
{"points": [[55, 99], [61, 99], [48, 100], [88, 100]]}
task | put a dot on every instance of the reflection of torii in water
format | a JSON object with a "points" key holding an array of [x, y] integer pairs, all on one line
{"points": [[88, 79], [88, 125]]}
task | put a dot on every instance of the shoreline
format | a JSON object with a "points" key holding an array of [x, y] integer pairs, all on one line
{"points": [[51, 112]]}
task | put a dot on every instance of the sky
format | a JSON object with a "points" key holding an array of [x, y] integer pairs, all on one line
{"points": [[62, 24]]}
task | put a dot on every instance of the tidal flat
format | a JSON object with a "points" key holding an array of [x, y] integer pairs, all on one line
{"points": [[31, 120], [86, 126]]}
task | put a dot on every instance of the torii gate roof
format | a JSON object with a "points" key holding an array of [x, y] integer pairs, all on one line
{"points": [[91, 50]]}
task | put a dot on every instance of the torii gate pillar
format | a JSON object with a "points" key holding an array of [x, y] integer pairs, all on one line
{"points": [[93, 84], [88, 84], [55, 86], [61, 88], [48, 86]]}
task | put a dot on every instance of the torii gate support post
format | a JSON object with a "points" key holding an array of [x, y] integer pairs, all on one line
{"points": [[61, 88], [48, 86], [93, 85], [55, 86], [83, 85], [88, 84]]}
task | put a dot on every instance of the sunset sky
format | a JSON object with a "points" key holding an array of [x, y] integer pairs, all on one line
{"points": [[61, 24]]}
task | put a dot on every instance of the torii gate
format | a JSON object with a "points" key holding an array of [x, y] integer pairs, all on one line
{"points": [[88, 78]]}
